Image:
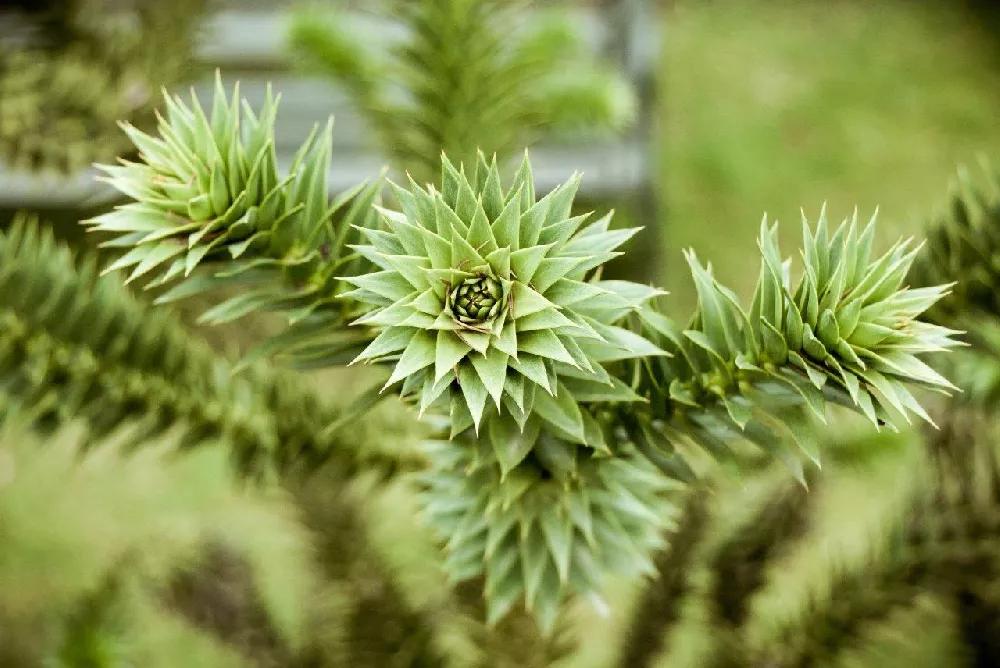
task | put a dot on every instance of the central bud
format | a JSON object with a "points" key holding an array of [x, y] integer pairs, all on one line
{"points": [[476, 300]]}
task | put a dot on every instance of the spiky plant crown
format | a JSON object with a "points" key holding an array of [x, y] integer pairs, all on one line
{"points": [[484, 305], [508, 80], [208, 186], [535, 537], [847, 333], [947, 544], [211, 210], [730, 376], [489, 305]]}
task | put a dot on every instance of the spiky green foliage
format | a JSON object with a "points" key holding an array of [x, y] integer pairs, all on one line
{"points": [[490, 306], [486, 304], [210, 210], [946, 546], [93, 634], [536, 538], [209, 186], [847, 333], [90, 65], [58, 112], [473, 76], [490, 302], [75, 346], [963, 242]]}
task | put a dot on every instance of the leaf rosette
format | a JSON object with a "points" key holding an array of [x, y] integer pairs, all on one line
{"points": [[207, 190], [489, 303]]}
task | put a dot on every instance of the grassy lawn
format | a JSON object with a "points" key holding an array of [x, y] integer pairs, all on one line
{"points": [[776, 106]]}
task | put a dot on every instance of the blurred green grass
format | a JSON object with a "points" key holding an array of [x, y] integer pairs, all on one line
{"points": [[773, 106]]}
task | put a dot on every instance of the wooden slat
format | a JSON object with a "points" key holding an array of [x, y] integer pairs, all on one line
{"points": [[19, 189], [607, 170]]}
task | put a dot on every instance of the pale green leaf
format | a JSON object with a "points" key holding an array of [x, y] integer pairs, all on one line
{"points": [[449, 351], [419, 354], [544, 343], [492, 370], [475, 392], [562, 412]]}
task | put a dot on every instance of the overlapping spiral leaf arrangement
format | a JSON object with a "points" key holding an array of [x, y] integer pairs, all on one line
{"points": [[483, 306], [489, 305], [209, 185], [847, 333], [211, 210], [490, 308], [78, 347], [536, 537]]}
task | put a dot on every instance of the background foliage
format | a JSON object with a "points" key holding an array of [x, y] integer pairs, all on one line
{"points": [[767, 106]]}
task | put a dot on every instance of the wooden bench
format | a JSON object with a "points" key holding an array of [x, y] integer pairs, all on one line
{"points": [[250, 46]]}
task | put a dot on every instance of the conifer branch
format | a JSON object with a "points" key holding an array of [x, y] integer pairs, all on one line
{"points": [[86, 66], [472, 76], [847, 334], [76, 346], [536, 537], [212, 211], [489, 305]]}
